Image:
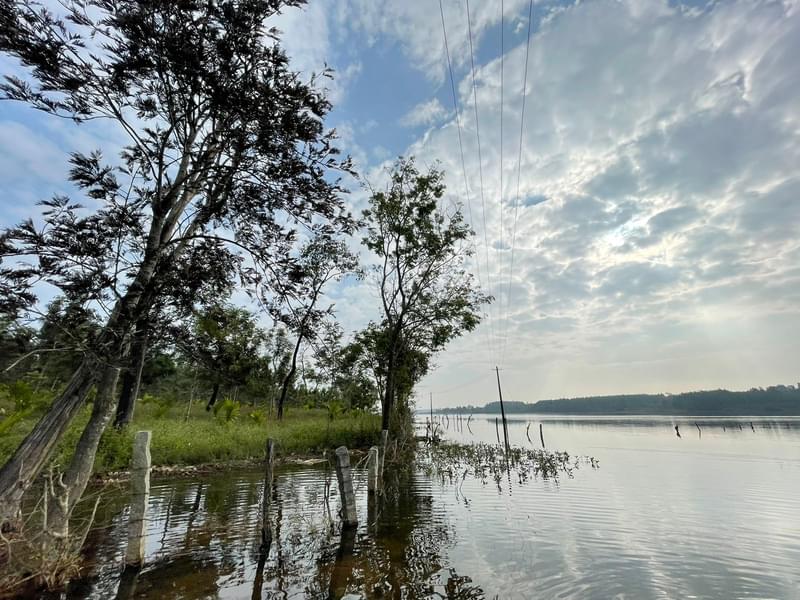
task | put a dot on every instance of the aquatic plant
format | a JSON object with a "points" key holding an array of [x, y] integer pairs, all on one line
{"points": [[454, 462]]}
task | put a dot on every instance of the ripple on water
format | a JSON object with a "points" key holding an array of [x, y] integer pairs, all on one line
{"points": [[665, 521]]}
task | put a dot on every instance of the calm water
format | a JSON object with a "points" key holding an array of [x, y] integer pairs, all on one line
{"points": [[712, 514]]}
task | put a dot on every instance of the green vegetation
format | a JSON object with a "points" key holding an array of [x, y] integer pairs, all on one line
{"points": [[238, 433], [775, 400]]}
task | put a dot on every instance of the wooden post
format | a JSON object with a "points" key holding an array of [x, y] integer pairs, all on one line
{"points": [[373, 466], [345, 477], [541, 435], [502, 409], [497, 430], [140, 495], [266, 528], [382, 450]]}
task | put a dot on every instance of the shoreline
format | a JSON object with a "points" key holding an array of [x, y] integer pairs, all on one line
{"points": [[167, 472]]}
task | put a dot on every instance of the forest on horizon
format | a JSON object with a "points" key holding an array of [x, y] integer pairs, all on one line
{"points": [[775, 400]]}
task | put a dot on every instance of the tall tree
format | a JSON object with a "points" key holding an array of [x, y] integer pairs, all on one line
{"points": [[324, 258], [227, 156], [427, 294]]}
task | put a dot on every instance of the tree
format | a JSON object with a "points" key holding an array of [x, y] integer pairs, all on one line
{"points": [[427, 295], [225, 341], [324, 258], [227, 157]]}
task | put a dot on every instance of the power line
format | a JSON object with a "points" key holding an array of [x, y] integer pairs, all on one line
{"points": [[480, 161], [519, 172], [461, 145], [502, 69]]}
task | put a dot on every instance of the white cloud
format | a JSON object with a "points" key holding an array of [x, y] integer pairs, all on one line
{"points": [[425, 113], [666, 144]]}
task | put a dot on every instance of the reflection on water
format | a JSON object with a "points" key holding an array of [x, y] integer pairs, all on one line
{"points": [[710, 514]]}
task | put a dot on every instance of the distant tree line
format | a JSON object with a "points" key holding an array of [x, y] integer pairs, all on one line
{"points": [[771, 401]]}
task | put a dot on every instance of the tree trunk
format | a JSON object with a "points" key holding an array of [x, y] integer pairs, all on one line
{"points": [[80, 467], [287, 381], [131, 379], [388, 392], [213, 400], [19, 471]]}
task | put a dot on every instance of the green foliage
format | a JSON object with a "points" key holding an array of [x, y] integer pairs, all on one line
{"points": [[160, 404], [257, 416], [202, 440], [18, 401], [227, 410], [335, 408], [427, 293]]}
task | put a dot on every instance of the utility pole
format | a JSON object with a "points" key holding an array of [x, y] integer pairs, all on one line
{"points": [[502, 409]]}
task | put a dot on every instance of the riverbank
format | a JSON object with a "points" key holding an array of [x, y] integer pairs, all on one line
{"points": [[210, 442]]}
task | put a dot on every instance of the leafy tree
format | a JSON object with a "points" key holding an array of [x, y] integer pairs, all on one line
{"points": [[16, 341], [427, 295], [225, 342], [323, 259], [227, 157], [68, 328]]}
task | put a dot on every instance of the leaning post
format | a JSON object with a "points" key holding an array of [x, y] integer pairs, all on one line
{"points": [[140, 495], [266, 528], [345, 478]]}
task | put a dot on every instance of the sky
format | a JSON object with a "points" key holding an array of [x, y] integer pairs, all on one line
{"points": [[650, 196]]}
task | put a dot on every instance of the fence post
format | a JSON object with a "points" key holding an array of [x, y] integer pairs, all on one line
{"points": [[140, 494], [373, 467], [266, 528], [345, 477]]}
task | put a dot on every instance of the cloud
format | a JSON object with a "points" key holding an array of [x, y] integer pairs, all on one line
{"points": [[425, 114], [665, 142], [652, 202]]}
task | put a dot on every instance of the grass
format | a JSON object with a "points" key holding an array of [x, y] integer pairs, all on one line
{"points": [[206, 438]]}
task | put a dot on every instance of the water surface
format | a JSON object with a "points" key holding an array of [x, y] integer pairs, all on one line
{"points": [[714, 513]]}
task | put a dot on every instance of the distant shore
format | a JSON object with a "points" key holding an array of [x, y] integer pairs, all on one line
{"points": [[774, 401]]}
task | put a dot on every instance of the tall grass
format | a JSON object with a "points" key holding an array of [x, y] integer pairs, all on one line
{"points": [[206, 438]]}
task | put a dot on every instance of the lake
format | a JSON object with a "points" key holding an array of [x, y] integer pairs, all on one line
{"points": [[714, 513]]}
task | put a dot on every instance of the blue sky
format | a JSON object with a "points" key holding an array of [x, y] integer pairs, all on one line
{"points": [[656, 246]]}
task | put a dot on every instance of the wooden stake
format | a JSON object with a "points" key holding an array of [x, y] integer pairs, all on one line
{"points": [[502, 410], [266, 528], [541, 435], [373, 467], [345, 477], [140, 495]]}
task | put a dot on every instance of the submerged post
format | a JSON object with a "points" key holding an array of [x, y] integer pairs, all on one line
{"points": [[541, 435], [502, 408], [266, 528], [140, 495], [373, 465], [345, 477]]}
